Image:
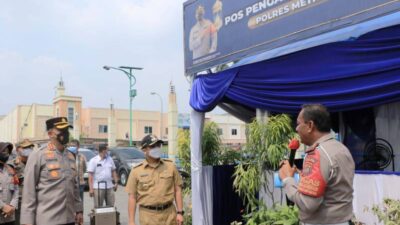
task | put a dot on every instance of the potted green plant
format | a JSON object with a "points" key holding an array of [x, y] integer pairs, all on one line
{"points": [[266, 147]]}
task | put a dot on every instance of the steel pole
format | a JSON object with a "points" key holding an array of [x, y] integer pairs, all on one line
{"points": [[130, 110]]}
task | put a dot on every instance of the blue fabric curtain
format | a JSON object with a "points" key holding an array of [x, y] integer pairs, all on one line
{"points": [[343, 75]]}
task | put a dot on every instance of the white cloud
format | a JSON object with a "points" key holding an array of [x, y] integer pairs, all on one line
{"points": [[44, 39], [50, 63]]}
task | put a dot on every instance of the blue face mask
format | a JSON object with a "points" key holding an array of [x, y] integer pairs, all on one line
{"points": [[26, 151], [155, 153], [73, 149]]}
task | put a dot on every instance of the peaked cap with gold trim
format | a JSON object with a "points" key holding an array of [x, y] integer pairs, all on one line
{"points": [[57, 122]]}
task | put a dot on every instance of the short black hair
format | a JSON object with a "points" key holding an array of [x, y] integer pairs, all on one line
{"points": [[74, 141], [319, 114], [102, 147]]}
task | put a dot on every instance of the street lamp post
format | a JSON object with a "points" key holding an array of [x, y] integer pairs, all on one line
{"points": [[161, 116], [132, 92]]}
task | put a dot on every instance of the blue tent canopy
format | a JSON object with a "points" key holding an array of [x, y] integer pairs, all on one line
{"points": [[344, 75]]}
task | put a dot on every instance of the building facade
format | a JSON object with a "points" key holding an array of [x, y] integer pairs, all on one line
{"points": [[28, 121]]}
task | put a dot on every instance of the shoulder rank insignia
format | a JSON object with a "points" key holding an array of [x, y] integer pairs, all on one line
{"points": [[312, 182], [137, 165]]}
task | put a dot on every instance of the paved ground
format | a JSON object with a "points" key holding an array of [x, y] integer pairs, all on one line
{"points": [[121, 202]]}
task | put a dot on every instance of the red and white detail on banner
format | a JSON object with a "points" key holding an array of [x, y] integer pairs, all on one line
{"points": [[312, 182]]}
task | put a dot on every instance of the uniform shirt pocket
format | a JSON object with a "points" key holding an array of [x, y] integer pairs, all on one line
{"points": [[166, 180], [145, 183], [53, 170]]}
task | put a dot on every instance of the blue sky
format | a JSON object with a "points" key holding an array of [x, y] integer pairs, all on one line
{"points": [[44, 39]]}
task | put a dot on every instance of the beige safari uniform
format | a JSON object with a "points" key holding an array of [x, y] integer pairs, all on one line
{"points": [[81, 168], [51, 194], [155, 186], [337, 169], [8, 193]]}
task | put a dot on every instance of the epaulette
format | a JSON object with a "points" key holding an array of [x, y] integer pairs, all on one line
{"points": [[137, 165]]}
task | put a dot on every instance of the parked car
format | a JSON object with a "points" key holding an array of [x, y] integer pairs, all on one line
{"points": [[92, 147], [125, 158], [89, 154]]}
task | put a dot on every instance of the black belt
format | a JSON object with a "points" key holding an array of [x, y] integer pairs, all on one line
{"points": [[158, 207]]}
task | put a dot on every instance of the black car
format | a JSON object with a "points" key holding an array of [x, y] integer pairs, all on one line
{"points": [[124, 159]]}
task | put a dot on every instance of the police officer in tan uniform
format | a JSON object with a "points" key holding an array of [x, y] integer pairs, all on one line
{"points": [[324, 194], [51, 194], [8, 187], [154, 185], [23, 151], [80, 160]]}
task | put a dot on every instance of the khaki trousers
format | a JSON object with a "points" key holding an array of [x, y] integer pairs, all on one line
{"points": [[154, 217], [109, 197]]}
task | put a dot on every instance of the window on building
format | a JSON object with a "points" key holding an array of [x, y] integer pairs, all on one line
{"points": [[71, 115], [103, 129], [148, 130], [166, 131], [234, 132], [220, 132]]}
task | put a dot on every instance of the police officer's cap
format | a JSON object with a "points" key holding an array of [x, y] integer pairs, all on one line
{"points": [[57, 122], [150, 140], [6, 146]]}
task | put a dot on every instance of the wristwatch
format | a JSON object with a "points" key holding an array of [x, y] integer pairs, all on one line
{"points": [[180, 212]]}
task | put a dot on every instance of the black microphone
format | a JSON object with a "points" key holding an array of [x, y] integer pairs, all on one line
{"points": [[291, 157], [293, 145]]}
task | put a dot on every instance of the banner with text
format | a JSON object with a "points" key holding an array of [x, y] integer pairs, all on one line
{"points": [[221, 31]]}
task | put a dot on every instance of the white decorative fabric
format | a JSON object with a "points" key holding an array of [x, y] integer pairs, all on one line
{"points": [[198, 206], [387, 122], [206, 193]]}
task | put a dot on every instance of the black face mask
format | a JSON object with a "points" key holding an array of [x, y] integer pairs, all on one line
{"points": [[63, 137], [4, 157]]}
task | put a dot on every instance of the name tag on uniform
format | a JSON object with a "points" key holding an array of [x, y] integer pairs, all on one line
{"points": [[144, 175], [99, 165]]}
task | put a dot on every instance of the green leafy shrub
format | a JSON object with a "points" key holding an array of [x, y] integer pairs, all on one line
{"points": [[184, 149], [266, 147], [211, 144], [388, 212], [229, 156], [187, 217], [184, 156], [280, 215]]}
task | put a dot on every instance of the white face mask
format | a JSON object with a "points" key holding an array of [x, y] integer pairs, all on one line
{"points": [[155, 153]]}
